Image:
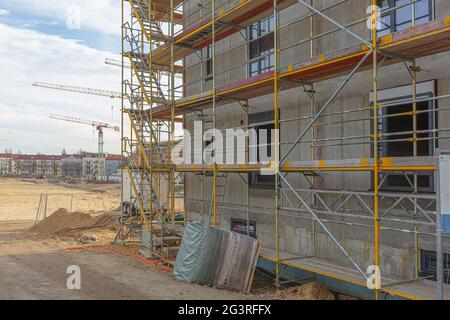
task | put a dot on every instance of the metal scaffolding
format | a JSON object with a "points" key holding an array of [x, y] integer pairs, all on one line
{"points": [[148, 145], [158, 34]]}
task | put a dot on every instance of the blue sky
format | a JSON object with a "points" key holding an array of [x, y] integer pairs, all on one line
{"points": [[65, 42], [21, 15]]}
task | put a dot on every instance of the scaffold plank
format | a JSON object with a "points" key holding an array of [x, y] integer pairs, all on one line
{"points": [[229, 19], [413, 290], [161, 9], [425, 163]]}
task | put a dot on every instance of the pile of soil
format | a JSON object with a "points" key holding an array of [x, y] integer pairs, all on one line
{"points": [[263, 285], [309, 291], [62, 222]]}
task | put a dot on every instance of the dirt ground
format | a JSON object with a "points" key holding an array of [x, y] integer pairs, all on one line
{"points": [[19, 198], [35, 268], [34, 265], [34, 259]]}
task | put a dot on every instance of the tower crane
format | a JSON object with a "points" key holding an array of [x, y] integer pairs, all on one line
{"points": [[98, 125], [82, 90], [91, 91]]}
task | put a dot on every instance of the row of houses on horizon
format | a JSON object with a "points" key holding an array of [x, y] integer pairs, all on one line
{"points": [[85, 165]]}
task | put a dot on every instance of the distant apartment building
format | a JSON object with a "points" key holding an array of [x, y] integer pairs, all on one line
{"points": [[93, 167], [113, 166], [35, 165], [5, 163], [47, 165], [86, 165], [72, 165]]}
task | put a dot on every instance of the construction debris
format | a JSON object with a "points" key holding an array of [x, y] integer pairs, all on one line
{"points": [[87, 239]]}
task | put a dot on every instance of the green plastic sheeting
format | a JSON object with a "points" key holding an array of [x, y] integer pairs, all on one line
{"points": [[190, 251]]}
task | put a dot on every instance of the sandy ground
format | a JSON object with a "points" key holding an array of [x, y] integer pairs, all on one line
{"points": [[34, 261], [19, 198], [33, 266]]}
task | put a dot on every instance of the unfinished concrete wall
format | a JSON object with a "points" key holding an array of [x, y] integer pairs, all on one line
{"points": [[296, 235]]}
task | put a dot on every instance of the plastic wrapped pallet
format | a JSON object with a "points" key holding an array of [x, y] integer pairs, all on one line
{"points": [[211, 257], [216, 257], [189, 253]]}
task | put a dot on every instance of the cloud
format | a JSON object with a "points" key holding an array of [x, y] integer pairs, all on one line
{"points": [[27, 56], [100, 15], [35, 23], [4, 13]]}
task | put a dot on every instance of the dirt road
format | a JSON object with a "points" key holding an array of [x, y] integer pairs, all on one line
{"points": [[33, 266], [33, 263]]}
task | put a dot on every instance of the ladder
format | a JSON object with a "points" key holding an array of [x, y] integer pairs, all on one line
{"points": [[221, 188], [221, 178]]}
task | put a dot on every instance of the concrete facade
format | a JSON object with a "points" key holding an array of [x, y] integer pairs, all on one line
{"points": [[5, 164], [93, 166], [113, 164], [397, 249], [72, 166], [33, 165]]}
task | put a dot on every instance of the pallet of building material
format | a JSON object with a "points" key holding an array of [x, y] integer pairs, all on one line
{"points": [[217, 257], [190, 251]]}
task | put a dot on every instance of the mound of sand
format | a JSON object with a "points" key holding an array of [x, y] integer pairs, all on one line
{"points": [[61, 222], [309, 291]]}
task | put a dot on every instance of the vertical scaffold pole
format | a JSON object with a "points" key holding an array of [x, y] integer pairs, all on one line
{"points": [[247, 160], [414, 118], [172, 114], [276, 140], [213, 61], [314, 180], [313, 129], [439, 253], [375, 150], [122, 163], [152, 192]]}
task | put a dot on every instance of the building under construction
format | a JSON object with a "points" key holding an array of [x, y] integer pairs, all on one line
{"points": [[358, 96]]}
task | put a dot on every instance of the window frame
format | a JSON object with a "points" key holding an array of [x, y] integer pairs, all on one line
{"points": [[387, 186], [263, 29], [257, 121], [208, 63], [427, 257], [393, 18], [383, 128]]}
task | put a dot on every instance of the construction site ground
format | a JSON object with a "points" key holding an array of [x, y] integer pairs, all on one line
{"points": [[34, 259]]}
